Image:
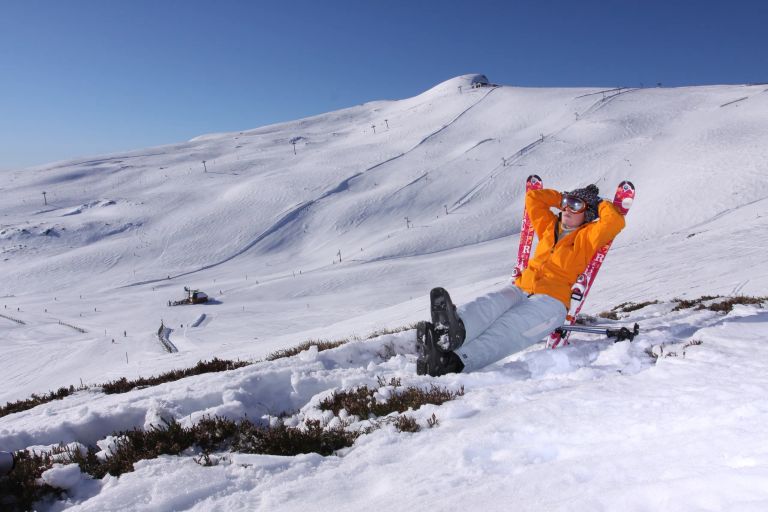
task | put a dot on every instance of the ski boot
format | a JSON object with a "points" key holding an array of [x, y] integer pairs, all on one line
{"points": [[448, 326], [432, 360]]}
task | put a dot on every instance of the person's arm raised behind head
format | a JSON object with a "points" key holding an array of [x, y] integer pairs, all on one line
{"points": [[538, 204], [609, 224]]}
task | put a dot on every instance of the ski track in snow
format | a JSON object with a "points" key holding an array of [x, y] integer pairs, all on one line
{"points": [[296, 213], [525, 151]]}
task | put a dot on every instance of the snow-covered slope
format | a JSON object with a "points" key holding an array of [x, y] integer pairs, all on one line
{"points": [[338, 225]]}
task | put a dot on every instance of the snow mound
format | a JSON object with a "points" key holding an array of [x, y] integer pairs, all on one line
{"points": [[451, 86], [63, 476], [591, 412], [101, 203]]}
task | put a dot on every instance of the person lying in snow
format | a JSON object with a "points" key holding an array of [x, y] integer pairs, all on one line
{"points": [[518, 315]]}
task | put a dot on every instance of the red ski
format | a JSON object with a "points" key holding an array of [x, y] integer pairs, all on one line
{"points": [[622, 200], [526, 230]]}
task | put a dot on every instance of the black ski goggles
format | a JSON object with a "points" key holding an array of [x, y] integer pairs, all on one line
{"points": [[573, 203]]}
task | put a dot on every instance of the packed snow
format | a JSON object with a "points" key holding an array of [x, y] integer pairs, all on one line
{"points": [[338, 225]]}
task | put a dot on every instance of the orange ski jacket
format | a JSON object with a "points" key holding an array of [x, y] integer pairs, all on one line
{"points": [[556, 264]]}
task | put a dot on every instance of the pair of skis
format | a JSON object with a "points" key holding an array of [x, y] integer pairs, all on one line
{"points": [[622, 200], [526, 230]]}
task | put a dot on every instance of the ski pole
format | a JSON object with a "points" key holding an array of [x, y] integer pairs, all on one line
{"points": [[621, 334]]}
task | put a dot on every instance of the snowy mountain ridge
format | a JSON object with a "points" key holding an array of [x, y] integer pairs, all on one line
{"points": [[339, 224]]}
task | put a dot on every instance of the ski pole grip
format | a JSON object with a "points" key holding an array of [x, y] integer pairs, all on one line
{"points": [[6, 463]]}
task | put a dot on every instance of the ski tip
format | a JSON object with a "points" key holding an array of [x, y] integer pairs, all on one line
{"points": [[534, 182], [627, 185], [625, 196]]}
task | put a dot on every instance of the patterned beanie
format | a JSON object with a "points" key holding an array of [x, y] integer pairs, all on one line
{"points": [[590, 195]]}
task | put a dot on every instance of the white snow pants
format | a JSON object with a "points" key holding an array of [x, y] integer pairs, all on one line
{"points": [[503, 322]]}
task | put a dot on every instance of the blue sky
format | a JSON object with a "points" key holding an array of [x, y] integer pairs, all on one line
{"points": [[80, 78]]}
